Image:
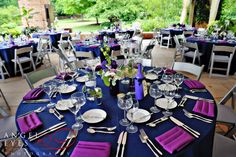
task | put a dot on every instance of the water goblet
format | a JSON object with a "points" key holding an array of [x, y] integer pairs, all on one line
{"points": [[155, 92], [167, 78], [124, 103], [178, 79], [48, 88], [77, 101], [169, 94], [132, 128]]}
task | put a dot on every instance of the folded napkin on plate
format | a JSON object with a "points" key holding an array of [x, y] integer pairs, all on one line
{"points": [[33, 94], [175, 139], [91, 149], [194, 84], [29, 122], [204, 108], [66, 77]]}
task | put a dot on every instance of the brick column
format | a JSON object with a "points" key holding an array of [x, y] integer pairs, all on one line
{"points": [[40, 18]]}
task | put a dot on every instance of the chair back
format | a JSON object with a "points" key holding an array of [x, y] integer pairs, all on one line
{"points": [[65, 36], [231, 94], [63, 56], [191, 45], [73, 43], [227, 49], [176, 39], [189, 68], [23, 50], [36, 76]]}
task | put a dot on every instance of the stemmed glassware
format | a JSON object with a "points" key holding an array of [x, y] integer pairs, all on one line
{"points": [[155, 92], [72, 74], [169, 94], [125, 102], [77, 101], [178, 79], [48, 88], [167, 78], [132, 128]]}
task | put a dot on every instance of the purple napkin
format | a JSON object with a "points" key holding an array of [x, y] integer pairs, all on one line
{"points": [[91, 149], [33, 94], [194, 84], [205, 108], [66, 77], [29, 122], [93, 46], [175, 139], [170, 71]]}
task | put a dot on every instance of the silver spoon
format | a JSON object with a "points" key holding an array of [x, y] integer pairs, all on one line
{"points": [[106, 128], [53, 112], [153, 124], [92, 131], [58, 113]]}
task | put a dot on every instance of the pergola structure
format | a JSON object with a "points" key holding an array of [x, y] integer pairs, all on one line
{"points": [[189, 6]]}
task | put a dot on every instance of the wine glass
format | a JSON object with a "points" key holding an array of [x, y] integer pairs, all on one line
{"points": [[157, 71], [124, 103], [77, 101], [73, 74], [167, 78], [49, 87], [169, 94], [178, 79], [132, 128], [155, 92]]}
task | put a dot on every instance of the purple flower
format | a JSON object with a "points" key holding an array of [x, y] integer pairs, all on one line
{"points": [[98, 67], [114, 64], [104, 63]]}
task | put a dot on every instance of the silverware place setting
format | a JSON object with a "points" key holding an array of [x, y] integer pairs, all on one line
{"points": [[103, 128], [184, 126], [71, 135], [36, 101], [155, 122], [92, 131], [47, 131], [195, 116], [38, 110], [121, 142], [145, 139]]}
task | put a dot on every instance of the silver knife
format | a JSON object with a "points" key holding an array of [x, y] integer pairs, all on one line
{"points": [[145, 141], [37, 135], [36, 101], [123, 143], [190, 130], [72, 135], [145, 137], [119, 142], [198, 98]]}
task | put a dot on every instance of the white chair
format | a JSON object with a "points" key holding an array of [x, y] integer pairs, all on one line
{"points": [[36, 76], [19, 59], [226, 57], [192, 52], [82, 58], [65, 37], [43, 49], [179, 48], [65, 61], [223, 145], [3, 69], [165, 36], [189, 68], [5, 100], [139, 41], [147, 53]]}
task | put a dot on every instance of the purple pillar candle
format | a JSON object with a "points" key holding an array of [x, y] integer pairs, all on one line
{"points": [[138, 84]]}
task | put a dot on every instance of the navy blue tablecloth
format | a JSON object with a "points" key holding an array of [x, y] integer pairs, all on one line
{"points": [[205, 47], [7, 54], [48, 145], [54, 37]]}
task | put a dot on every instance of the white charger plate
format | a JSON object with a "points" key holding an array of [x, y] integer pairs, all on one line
{"points": [[94, 116], [82, 78], [67, 89], [151, 76], [139, 115], [167, 87], [63, 104], [163, 103]]}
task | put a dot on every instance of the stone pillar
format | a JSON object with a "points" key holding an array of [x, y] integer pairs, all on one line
{"points": [[214, 9], [184, 10], [43, 14]]}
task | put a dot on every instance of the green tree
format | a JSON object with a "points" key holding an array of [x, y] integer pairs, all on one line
{"points": [[73, 7], [5, 3]]}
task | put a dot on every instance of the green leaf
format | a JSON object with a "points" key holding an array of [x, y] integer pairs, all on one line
{"points": [[106, 81]]}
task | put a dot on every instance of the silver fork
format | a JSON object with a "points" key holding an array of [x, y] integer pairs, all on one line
{"points": [[191, 115], [38, 110]]}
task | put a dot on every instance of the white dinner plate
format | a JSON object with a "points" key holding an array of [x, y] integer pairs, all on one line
{"points": [[163, 103], [151, 76], [94, 116], [63, 104], [139, 115], [167, 87], [82, 78], [67, 89]]}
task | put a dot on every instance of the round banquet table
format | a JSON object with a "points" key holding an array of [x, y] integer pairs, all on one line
{"points": [[48, 145], [7, 54], [205, 47]]}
